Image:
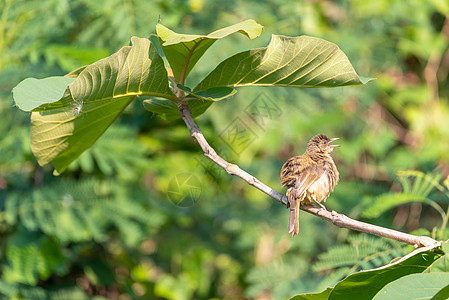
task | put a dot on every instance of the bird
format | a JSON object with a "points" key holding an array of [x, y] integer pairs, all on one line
{"points": [[309, 177]]}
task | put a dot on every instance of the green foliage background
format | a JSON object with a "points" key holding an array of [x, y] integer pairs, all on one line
{"points": [[109, 228]]}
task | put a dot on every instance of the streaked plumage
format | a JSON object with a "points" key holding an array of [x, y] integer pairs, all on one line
{"points": [[310, 177]]}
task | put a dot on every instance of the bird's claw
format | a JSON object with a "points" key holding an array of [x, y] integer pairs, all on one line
{"points": [[321, 205]]}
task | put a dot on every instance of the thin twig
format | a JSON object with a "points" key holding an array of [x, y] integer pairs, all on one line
{"points": [[337, 219]]}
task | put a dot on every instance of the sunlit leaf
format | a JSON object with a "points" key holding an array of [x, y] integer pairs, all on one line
{"points": [[287, 61], [60, 137], [62, 130], [184, 50]]}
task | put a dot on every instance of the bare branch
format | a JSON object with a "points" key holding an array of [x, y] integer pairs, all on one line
{"points": [[343, 221], [337, 219]]}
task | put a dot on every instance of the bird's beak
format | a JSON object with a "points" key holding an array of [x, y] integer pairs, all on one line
{"points": [[333, 146]]}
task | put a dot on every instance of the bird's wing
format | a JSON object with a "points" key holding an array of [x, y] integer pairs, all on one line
{"points": [[300, 172]]}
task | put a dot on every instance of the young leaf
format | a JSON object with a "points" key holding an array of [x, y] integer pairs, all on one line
{"points": [[95, 99], [198, 107], [287, 61], [166, 108], [184, 50], [212, 94], [170, 111]]}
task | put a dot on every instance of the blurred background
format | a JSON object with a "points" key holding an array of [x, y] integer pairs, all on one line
{"points": [[144, 214]]}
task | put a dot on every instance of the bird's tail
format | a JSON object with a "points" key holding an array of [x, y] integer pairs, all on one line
{"points": [[293, 220]]}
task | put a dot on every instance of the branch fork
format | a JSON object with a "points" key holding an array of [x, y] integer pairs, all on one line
{"points": [[335, 218]]}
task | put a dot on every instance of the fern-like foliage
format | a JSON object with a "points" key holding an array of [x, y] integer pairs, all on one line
{"points": [[118, 152], [14, 149], [18, 291], [416, 187], [417, 182], [362, 252], [280, 277], [77, 211], [31, 256], [70, 212]]}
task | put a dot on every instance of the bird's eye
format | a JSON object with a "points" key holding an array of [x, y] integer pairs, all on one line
{"points": [[324, 142]]}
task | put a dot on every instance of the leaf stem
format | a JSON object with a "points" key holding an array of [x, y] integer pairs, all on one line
{"points": [[445, 219], [439, 210], [335, 218]]}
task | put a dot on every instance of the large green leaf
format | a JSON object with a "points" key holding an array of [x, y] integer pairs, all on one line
{"points": [[366, 284], [62, 130], [184, 50], [287, 61], [61, 136], [416, 286]]}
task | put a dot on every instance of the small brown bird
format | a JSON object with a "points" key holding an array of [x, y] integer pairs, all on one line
{"points": [[310, 177]]}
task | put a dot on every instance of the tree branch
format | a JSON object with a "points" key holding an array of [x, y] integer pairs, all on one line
{"points": [[337, 219], [232, 169]]}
